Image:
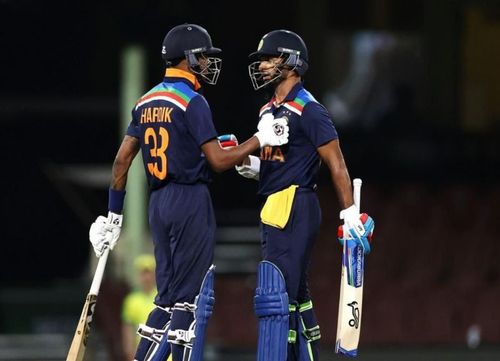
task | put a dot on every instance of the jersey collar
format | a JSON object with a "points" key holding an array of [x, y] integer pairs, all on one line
{"points": [[292, 94], [184, 76]]}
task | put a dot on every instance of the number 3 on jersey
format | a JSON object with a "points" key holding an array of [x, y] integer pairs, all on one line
{"points": [[159, 141]]}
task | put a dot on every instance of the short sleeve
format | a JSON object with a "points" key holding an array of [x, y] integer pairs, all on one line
{"points": [[133, 127], [317, 124], [199, 120]]}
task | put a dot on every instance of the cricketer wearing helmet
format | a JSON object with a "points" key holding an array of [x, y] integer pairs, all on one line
{"points": [[291, 215], [172, 127]]}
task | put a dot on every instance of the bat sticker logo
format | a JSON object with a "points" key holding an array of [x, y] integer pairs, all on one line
{"points": [[354, 322], [89, 318]]}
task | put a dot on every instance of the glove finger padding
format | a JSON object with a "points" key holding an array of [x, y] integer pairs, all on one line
{"points": [[251, 170], [369, 224], [340, 234], [98, 235], [363, 232], [272, 132], [264, 119], [104, 232], [97, 229]]}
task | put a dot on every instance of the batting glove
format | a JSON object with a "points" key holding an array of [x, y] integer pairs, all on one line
{"points": [[250, 170], [271, 131], [264, 119], [104, 232], [358, 227]]}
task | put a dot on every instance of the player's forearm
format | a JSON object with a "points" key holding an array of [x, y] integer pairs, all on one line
{"points": [[342, 183], [331, 154], [224, 159], [119, 174], [123, 160]]}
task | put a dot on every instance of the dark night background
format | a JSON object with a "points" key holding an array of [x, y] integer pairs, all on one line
{"points": [[422, 131]]}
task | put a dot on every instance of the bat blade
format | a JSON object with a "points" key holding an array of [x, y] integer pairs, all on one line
{"points": [[351, 291], [79, 343], [350, 301]]}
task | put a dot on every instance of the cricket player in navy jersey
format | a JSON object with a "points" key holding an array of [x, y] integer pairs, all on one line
{"points": [[291, 215], [172, 127]]}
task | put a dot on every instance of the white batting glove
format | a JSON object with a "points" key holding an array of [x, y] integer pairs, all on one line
{"points": [[268, 117], [251, 170], [104, 232], [353, 227], [272, 131]]}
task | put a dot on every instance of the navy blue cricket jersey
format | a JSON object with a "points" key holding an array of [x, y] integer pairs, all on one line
{"points": [[298, 161], [172, 121]]}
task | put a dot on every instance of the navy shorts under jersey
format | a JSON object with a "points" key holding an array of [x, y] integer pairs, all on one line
{"points": [[290, 248], [182, 224]]}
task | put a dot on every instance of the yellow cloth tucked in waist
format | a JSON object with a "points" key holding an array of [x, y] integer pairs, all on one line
{"points": [[278, 206]]}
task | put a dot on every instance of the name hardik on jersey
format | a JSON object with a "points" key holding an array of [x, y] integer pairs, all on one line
{"points": [[297, 162], [172, 121]]}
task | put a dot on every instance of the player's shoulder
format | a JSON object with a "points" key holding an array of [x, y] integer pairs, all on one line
{"points": [[305, 97], [308, 101], [309, 107], [179, 93], [302, 101]]}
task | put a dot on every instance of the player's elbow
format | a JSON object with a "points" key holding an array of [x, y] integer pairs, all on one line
{"points": [[219, 161]]}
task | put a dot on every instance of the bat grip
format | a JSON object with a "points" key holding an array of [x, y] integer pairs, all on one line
{"points": [[357, 182], [99, 272]]}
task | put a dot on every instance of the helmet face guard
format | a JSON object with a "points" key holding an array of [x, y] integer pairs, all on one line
{"points": [[208, 69], [291, 61], [193, 43], [285, 45]]}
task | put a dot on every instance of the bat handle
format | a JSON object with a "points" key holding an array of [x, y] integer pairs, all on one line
{"points": [[99, 272], [357, 182]]}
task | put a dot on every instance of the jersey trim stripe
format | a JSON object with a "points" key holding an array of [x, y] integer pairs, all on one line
{"points": [[297, 105], [264, 109], [172, 100], [294, 107], [174, 96]]}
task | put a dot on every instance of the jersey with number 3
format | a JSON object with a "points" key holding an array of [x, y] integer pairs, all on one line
{"points": [[172, 122]]}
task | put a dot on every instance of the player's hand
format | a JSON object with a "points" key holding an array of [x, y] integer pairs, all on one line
{"points": [[104, 232], [250, 167], [272, 131], [264, 119], [227, 141], [358, 227]]}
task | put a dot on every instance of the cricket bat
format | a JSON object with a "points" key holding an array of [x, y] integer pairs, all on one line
{"points": [[79, 343], [351, 291]]}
